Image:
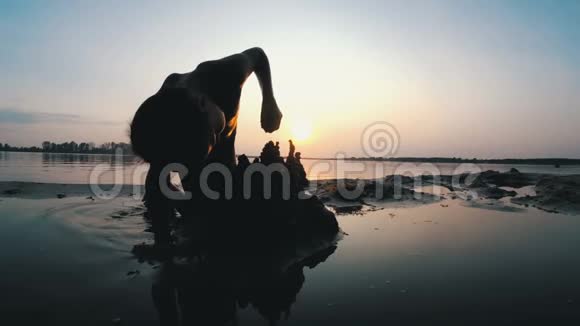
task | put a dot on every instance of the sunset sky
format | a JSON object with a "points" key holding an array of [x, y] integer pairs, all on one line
{"points": [[486, 79]]}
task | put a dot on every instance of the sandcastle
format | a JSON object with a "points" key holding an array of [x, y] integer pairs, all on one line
{"points": [[268, 199]]}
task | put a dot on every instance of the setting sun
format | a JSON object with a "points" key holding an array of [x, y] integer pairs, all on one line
{"points": [[301, 130]]}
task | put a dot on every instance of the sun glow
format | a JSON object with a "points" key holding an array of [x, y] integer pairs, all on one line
{"points": [[301, 130]]}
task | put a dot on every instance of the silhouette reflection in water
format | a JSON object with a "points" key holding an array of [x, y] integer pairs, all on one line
{"points": [[209, 289]]}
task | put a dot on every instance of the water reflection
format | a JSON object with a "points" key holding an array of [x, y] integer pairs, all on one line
{"points": [[70, 167], [210, 290], [73, 158], [75, 168]]}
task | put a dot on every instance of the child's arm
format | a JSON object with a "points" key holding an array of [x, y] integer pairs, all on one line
{"points": [[239, 67], [270, 116]]}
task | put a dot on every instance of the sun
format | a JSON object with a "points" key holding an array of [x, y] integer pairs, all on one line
{"points": [[301, 130]]}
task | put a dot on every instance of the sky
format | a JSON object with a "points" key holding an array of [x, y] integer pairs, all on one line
{"points": [[486, 79]]}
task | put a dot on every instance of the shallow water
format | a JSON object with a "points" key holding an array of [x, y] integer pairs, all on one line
{"points": [[66, 260], [71, 168], [110, 169]]}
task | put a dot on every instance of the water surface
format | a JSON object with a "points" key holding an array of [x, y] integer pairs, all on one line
{"points": [[109, 169], [68, 261]]}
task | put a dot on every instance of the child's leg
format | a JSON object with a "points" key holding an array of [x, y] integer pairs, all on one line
{"points": [[158, 205]]}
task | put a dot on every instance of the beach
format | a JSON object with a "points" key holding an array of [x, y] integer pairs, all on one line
{"points": [[69, 260], [303, 163]]}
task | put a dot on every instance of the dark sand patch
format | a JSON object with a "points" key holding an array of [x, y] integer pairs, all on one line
{"points": [[555, 194]]}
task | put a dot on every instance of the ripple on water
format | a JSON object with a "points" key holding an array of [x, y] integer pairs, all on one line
{"points": [[116, 223]]}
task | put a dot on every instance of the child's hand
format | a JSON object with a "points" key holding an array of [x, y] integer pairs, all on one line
{"points": [[271, 116]]}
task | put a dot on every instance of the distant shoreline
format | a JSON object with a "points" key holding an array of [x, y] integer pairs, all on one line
{"points": [[516, 161], [512, 161], [72, 153]]}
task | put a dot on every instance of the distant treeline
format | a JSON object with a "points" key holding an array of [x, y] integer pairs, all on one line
{"points": [[71, 147], [111, 147], [512, 161]]}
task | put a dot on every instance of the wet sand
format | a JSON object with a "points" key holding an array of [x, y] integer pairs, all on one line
{"points": [[449, 261]]}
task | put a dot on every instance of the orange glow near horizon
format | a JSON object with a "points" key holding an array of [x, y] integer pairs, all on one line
{"points": [[301, 130]]}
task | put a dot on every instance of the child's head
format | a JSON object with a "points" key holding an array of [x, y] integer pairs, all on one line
{"points": [[174, 126]]}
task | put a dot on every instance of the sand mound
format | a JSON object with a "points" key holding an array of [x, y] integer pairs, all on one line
{"points": [[555, 194]]}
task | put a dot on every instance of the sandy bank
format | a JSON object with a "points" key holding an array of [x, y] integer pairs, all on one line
{"points": [[489, 189], [553, 193]]}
